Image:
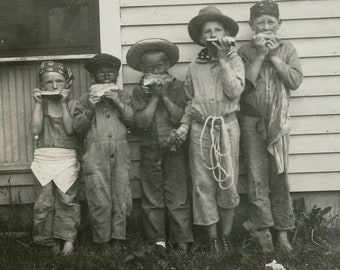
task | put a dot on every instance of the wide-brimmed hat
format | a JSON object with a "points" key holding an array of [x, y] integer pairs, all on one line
{"points": [[210, 13], [136, 51], [103, 58]]}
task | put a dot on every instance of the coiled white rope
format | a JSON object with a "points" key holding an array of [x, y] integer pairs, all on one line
{"points": [[215, 155]]}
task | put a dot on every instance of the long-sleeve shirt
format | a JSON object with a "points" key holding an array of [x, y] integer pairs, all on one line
{"points": [[162, 122], [211, 90], [268, 97], [108, 123]]}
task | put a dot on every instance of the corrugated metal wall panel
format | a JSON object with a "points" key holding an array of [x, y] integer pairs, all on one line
{"points": [[309, 25]]}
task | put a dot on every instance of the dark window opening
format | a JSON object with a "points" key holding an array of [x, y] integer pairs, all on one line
{"points": [[48, 27]]}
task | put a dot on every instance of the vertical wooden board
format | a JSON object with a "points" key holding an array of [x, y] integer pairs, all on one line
{"points": [[8, 156], [28, 87], [14, 96], [2, 121], [20, 112]]}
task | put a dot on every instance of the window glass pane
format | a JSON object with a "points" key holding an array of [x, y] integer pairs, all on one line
{"points": [[45, 27]]}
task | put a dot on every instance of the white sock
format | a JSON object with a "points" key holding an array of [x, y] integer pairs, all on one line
{"points": [[161, 243]]}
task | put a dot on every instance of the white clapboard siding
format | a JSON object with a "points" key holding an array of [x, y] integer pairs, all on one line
{"points": [[182, 15], [178, 33], [314, 107]]}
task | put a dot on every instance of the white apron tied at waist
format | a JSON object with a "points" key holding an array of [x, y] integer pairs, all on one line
{"points": [[56, 164]]}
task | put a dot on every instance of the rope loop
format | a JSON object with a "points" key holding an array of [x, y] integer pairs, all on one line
{"points": [[215, 155]]}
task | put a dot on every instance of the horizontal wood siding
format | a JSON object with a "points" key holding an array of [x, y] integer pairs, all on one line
{"points": [[314, 108], [17, 80]]}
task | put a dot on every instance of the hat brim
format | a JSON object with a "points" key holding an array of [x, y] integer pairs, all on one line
{"points": [[91, 66], [195, 25], [136, 51]]}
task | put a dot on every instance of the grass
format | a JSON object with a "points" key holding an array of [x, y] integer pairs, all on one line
{"points": [[20, 253], [316, 247]]}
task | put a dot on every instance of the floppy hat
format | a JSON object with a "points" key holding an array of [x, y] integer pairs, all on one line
{"points": [[136, 51], [102, 58], [210, 13]]}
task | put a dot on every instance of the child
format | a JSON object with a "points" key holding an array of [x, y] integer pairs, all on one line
{"points": [[102, 116], [158, 103], [55, 165], [214, 84], [272, 70]]}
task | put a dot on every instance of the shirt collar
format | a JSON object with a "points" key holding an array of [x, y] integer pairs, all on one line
{"points": [[204, 57]]}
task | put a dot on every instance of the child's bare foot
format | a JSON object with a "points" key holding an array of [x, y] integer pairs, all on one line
{"points": [[265, 240], [68, 248], [283, 242]]}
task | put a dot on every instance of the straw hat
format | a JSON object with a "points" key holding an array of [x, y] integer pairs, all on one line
{"points": [[136, 51], [210, 13], [102, 58]]}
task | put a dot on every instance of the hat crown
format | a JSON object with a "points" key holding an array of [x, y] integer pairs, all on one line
{"points": [[209, 10]]}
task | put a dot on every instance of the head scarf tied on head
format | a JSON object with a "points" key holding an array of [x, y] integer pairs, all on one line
{"points": [[266, 7], [51, 66]]}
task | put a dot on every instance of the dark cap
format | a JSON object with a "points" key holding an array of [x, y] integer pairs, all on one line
{"points": [[103, 58], [266, 7], [210, 13]]}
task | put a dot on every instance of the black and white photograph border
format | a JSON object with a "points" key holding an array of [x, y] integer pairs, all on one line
{"points": [[72, 32]]}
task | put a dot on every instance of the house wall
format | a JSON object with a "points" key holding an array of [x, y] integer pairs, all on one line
{"points": [[315, 110]]}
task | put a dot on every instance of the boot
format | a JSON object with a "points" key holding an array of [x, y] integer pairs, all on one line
{"points": [[214, 246], [226, 244]]}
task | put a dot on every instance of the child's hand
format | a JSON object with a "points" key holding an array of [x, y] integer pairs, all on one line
{"points": [[65, 95], [36, 93], [156, 89], [93, 100], [182, 131], [222, 47], [260, 41], [272, 44], [165, 89], [114, 96]]}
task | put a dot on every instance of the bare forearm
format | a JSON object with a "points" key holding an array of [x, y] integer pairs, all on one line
{"points": [[176, 112], [36, 125], [253, 70], [67, 118]]}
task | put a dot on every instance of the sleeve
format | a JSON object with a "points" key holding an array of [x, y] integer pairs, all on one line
{"points": [[80, 123], [126, 112], [139, 104], [242, 52], [189, 92], [233, 77], [290, 71], [180, 101]]}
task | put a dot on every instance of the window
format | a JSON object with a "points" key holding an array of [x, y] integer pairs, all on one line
{"points": [[49, 27]]}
